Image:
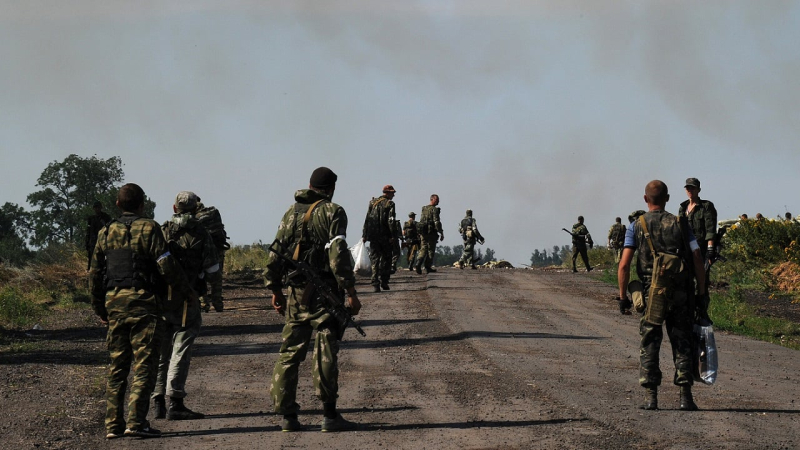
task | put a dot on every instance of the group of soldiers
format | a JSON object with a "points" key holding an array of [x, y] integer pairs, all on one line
{"points": [[149, 284], [384, 233]]}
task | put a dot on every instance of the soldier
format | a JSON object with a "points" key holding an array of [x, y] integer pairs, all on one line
{"points": [[211, 219], [411, 238], [396, 246], [663, 235], [379, 230], [468, 228], [787, 217], [581, 237], [315, 228], [616, 237], [130, 254], [429, 226], [702, 216], [94, 224], [191, 243]]}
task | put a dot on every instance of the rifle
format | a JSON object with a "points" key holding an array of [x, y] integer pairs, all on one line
{"points": [[571, 233], [579, 236], [331, 300]]}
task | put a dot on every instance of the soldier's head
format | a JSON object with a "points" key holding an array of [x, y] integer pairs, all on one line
{"points": [[656, 194], [130, 198], [185, 202], [469, 212], [618, 219], [692, 187], [323, 180], [788, 216], [97, 207], [743, 217], [434, 199], [759, 216], [580, 219], [412, 215], [389, 191]]}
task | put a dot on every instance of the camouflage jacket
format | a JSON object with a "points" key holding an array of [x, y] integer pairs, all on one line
{"points": [[379, 223], [667, 236], [703, 220], [429, 222], [324, 246], [190, 242], [145, 240], [469, 221], [580, 235], [616, 235], [410, 232]]}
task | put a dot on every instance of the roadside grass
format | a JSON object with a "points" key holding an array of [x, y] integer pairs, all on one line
{"points": [[731, 313], [245, 258]]}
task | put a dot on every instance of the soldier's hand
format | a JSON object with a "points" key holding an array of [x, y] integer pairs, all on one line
{"points": [[441, 237], [353, 303], [279, 302]]}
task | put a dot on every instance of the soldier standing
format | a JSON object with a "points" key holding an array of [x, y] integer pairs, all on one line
{"points": [[702, 217], [616, 238], [468, 228], [130, 254], [411, 238], [396, 246], [663, 234], [430, 227], [211, 219], [191, 243], [379, 230], [580, 238], [94, 224], [315, 228]]}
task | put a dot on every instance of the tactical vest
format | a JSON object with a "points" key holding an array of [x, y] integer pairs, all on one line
{"points": [[187, 247], [210, 218], [411, 232], [306, 245], [667, 236], [427, 220], [126, 268]]}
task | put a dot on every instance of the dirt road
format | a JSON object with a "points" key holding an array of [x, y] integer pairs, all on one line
{"points": [[487, 359]]}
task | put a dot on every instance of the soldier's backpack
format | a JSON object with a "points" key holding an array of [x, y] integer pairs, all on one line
{"points": [[210, 218], [377, 220], [669, 274]]}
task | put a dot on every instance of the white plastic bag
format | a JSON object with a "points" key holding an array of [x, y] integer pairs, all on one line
{"points": [[706, 354], [360, 254]]}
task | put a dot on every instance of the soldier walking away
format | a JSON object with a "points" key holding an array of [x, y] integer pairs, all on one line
{"points": [[430, 228], [397, 238], [191, 243], [616, 238], [94, 224], [411, 239], [128, 263], [580, 238], [379, 230], [468, 229], [211, 219], [658, 235], [315, 229], [702, 217]]}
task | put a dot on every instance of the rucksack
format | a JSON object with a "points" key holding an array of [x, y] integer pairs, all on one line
{"points": [[210, 218], [669, 276], [377, 219]]}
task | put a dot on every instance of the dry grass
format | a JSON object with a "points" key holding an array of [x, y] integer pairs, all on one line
{"points": [[787, 277]]}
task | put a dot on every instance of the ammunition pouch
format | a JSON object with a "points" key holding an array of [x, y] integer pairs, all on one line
{"points": [[667, 288], [127, 269]]}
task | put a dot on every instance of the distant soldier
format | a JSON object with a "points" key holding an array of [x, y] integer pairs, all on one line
{"points": [[580, 238], [379, 230], [788, 217], [191, 243], [468, 228], [616, 238], [396, 248], [94, 224], [130, 254], [210, 218], [411, 239], [429, 227]]}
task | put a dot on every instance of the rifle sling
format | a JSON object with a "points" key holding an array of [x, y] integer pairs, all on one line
{"points": [[306, 219]]}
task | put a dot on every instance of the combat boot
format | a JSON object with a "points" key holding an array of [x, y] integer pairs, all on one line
{"points": [[385, 285], [177, 411], [376, 288], [650, 399], [687, 402], [461, 265], [419, 269], [159, 407]]}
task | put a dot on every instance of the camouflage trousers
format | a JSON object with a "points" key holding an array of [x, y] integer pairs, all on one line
{"points": [[380, 256], [617, 249], [580, 249], [427, 250], [395, 253], [176, 353], [131, 341], [679, 322], [411, 253], [214, 296], [468, 255], [296, 335]]}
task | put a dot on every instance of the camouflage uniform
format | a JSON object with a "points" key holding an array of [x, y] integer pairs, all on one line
{"points": [[616, 239], [190, 242], [133, 311], [379, 231], [667, 236], [211, 220], [468, 228], [703, 220], [429, 226], [411, 237], [325, 249], [580, 237], [398, 235]]}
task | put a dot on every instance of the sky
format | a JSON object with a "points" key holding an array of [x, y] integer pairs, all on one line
{"points": [[528, 112]]}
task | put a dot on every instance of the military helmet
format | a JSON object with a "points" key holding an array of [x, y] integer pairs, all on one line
{"points": [[412, 214]]}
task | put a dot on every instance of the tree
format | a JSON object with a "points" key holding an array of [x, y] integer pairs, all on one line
{"points": [[489, 255], [14, 231]]}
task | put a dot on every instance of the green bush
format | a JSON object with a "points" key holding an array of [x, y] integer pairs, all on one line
{"points": [[762, 242], [242, 258], [18, 308]]}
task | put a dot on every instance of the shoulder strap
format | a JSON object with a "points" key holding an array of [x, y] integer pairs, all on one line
{"points": [[306, 219], [647, 235]]}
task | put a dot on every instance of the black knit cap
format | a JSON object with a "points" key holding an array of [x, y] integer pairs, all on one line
{"points": [[322, 178]]}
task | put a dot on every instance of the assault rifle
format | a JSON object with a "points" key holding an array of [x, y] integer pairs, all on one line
{"points": [[331, 300], [579, 236]]}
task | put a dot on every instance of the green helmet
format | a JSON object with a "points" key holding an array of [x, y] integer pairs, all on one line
{"points": [[635, 215]]}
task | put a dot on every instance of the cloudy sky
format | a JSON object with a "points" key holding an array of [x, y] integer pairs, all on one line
{"points": [[528, 112]]}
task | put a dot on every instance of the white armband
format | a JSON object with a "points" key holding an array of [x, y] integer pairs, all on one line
{"points": [[328, 245], [693, 245], [163, 256]]}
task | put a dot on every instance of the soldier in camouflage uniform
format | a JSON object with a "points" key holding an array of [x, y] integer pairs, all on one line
{"points": [[468, 228], [379, 230], [130, 254], [315, 229], [191, 243], [94, 224], [616, 237], [702, 217], [210, 218], [411, 238], [669, 234], [430, 228], [396, 246], [580, 238]]}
